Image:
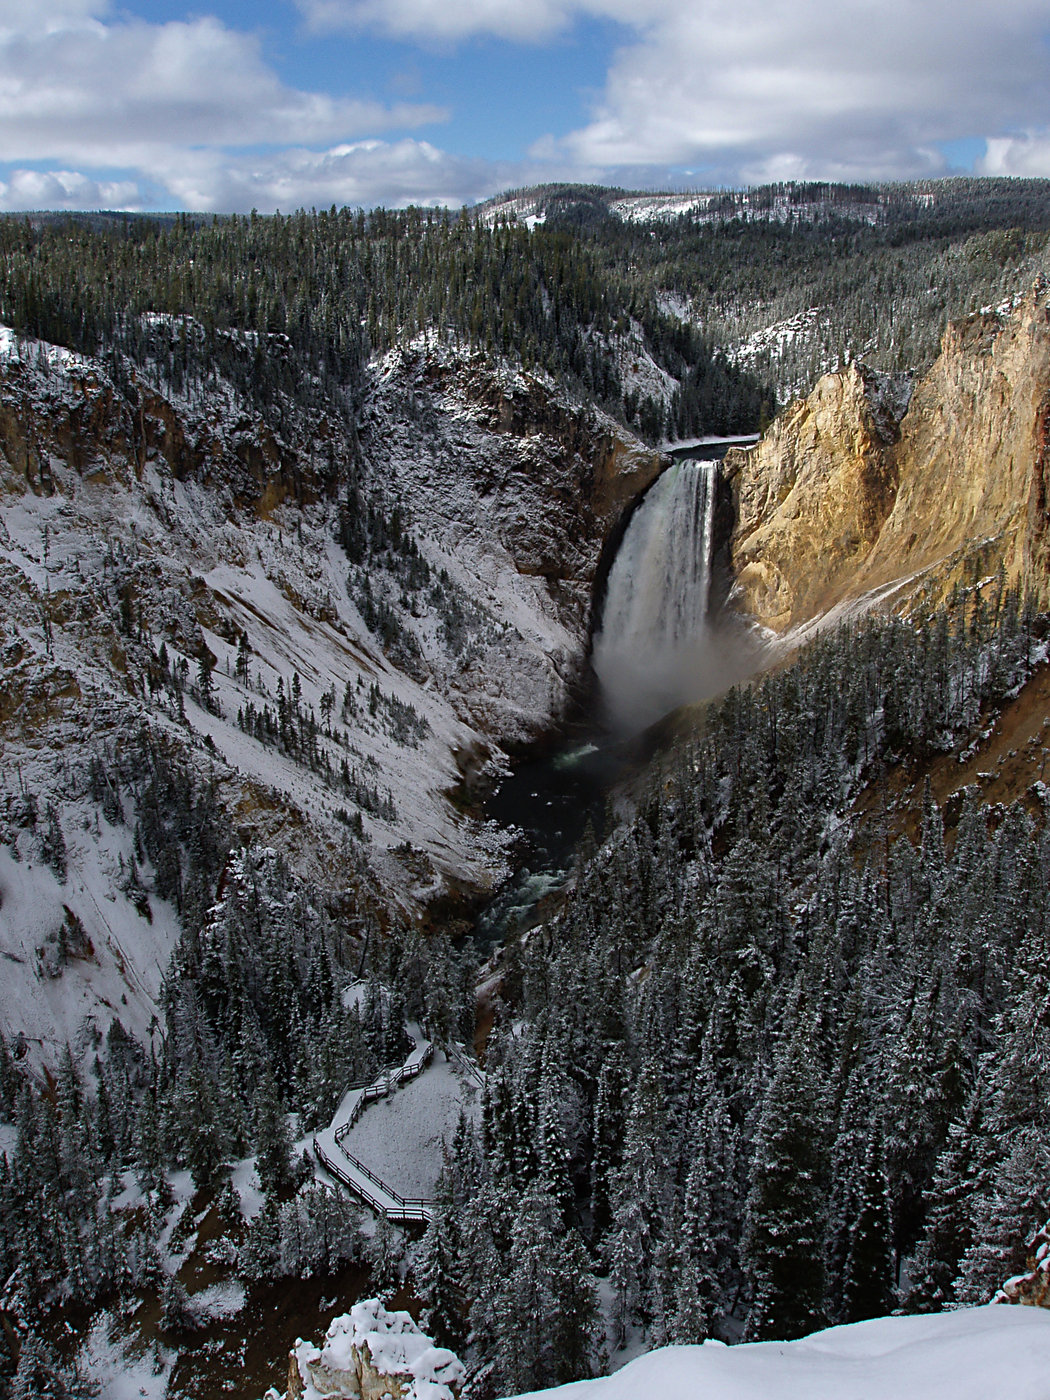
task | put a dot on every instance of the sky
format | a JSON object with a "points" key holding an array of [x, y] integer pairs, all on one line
{"points": [[230, 105]]}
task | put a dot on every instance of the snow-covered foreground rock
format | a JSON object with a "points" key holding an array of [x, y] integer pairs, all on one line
{"points": [[373, 1354], [991, 1353]]}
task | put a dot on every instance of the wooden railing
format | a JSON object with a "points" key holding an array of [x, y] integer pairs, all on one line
{"points": [[467, 1066], [404, 1208]]}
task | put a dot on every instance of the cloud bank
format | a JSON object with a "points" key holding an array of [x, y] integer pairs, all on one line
{"points": [[698, 91], [177, 104]]}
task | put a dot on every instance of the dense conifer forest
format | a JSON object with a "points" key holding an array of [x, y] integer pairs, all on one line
{"points": [[774, 1068], [289, 308]]}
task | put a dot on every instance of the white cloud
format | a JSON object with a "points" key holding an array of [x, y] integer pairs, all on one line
{"points": [[700, 92], [393, 173], [67, 189], [1028, 154], [754, 90], [81, 90], [757, 89]]}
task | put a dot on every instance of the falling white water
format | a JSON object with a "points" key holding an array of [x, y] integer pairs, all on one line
{"points": [[656, 649]]}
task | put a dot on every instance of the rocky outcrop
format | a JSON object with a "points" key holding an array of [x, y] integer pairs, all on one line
{"points": [[519, 488], [811, 499], [372, 1354], [485, 452], [1031, 1289], [78, 416], [843, 496]]}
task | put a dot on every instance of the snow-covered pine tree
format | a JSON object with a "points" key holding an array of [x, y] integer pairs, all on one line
{"points": [[786, 1210], [868, 1283]]}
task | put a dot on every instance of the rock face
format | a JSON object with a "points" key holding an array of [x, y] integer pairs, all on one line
{"points": [[494, 462], [811, 499], [847, 494], [372, 1354]]}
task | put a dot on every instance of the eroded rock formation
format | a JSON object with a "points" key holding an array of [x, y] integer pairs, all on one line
{"points": [[848, 493]]}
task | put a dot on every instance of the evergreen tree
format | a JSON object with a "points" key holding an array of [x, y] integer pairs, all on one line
{"points": [[868, 1290], [274, 1143], [950, 1199], [1015, 1202], [785, 1218], [437, 1272]]}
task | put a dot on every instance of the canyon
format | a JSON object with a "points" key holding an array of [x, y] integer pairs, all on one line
{"points": [[132, 520]]}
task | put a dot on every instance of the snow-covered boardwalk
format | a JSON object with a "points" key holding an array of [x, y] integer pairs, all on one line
{"points": [[331, 1151]]}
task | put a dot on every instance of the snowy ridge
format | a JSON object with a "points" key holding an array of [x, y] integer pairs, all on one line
{"points": [[138, 546], [783, 203], [641, 208]]}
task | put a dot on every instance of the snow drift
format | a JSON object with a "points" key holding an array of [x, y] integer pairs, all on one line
{"points": [[989, 1353]]}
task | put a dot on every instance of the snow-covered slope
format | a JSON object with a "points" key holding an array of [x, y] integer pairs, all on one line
{"points": [[991, 1353], [410, 592]]}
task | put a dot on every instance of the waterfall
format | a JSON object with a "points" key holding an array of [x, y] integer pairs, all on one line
{"points": [[655, 649]]}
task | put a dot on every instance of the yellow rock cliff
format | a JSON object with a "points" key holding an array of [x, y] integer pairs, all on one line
{"points": [[837, 501]]}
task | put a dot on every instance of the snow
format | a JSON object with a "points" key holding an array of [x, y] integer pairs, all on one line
{"points": [[220, 1300], [396, 1346], [119, 980], [709, 440], [400, 1137], [638, 371], [204, 570], [644, 208], [121, 1366], [771, 341], [245, 1181], [37, 352], [400, 1149], [989, 1353]]}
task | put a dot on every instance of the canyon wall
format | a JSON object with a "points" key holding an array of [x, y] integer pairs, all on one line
{"points": [[857, 489], [327, 622]]}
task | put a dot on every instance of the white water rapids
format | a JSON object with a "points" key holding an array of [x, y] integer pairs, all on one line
{"points": [[656, 648]]}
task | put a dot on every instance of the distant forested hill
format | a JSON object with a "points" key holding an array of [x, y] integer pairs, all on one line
{"points": [[681, 317]]}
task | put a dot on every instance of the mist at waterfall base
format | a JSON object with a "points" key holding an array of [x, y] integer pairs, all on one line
{"points": [[658, 646]]}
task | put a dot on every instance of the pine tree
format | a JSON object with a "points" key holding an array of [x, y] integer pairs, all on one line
{"points": [[868, 1290], [1015, 1202], [40, 1375], [948, 1233], [638, 1194], [785, 1219], [384, 1254], [437, 1272], [546, 1310], [274, 1144]]}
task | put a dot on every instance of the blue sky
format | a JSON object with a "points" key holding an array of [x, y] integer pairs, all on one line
{"points": [[228, 105]]}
